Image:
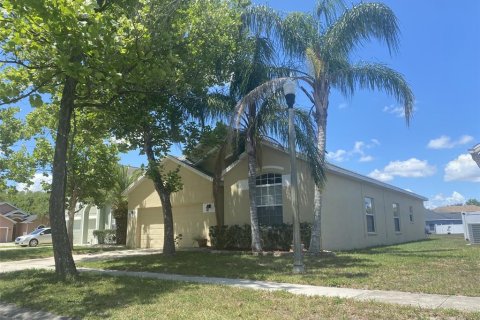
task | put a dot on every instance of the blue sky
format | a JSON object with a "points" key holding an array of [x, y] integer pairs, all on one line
{"points": [[440, 57]]}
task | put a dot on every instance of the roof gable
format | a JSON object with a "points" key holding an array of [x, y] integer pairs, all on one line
{"points": [[333, 169], [175, 160]]}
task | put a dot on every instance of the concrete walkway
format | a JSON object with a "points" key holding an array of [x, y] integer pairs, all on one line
{"points": [[430, 301]]}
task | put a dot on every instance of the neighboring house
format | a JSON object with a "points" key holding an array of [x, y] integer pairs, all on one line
{"points": [[475, 152], [471, 221], [457, 209], [15, 222], [444, 222], [357, 211], [89, 218]]}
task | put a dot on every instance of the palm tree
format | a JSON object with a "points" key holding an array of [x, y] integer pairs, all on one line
{"points": [[324, 41], [262, 117], [123, 177]]}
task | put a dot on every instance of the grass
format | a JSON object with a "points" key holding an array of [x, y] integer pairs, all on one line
{"points": [[45, 252], [441, 265], [98, 297]]}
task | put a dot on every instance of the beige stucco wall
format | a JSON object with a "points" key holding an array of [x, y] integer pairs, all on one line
{"points": [[145, 219], [344, 221]]}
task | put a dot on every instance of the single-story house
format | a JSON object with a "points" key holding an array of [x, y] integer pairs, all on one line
{"points": [[444, 222], [89, 218], [357, 211], [15, 222]]}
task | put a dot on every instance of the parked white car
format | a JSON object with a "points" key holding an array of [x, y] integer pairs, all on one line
{"points": [[36, 237]]}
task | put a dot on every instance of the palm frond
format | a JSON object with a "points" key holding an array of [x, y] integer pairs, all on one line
{"points": [[298, 32], [361, 23], [262, 19], [375, 76], [327, 11], [260, 93]]}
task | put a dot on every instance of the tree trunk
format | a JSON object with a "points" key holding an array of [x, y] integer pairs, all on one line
{"points": [[252, 190], [71, 216], [321, 92], [64, 264], [164, 194], [218, 187], [120, 214]]}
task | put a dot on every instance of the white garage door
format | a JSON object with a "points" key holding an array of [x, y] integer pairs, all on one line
{"points": [[150, 222]]}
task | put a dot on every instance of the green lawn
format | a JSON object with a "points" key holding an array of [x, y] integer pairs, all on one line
{"points": [[46, 251], [443, 265], [99, 297]]}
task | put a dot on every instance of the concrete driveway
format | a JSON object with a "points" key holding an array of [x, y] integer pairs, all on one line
{"points": [[49, 263]]}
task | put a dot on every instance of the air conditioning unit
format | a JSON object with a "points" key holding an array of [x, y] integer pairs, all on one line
{"points": [[471, 223]]}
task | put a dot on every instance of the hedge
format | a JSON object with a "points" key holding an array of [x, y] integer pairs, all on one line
{"points": [[106, 236], [276, 237]]}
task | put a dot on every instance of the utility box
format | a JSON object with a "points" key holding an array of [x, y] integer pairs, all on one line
{"points": [[471, 223]]}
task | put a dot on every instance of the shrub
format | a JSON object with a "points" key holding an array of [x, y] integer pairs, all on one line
{"points": [[276, 237], [106, 236]]}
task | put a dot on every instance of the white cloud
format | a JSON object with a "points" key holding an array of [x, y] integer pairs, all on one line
{"points": [[36, 185], [342, 105], [445, 142], [397, 111], [465, 139], [379, 175], [338, 155], [440, 200], [463, 168], [366, 159], [358, 150], [411, 168]]}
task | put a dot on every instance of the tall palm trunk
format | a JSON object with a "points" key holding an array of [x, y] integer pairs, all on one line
{"points": [[164, 194], [62, 252], [252, 187], [218, 187], [320, 97]]}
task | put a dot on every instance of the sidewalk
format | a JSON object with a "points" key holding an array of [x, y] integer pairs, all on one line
{"points": [[422, 300]]}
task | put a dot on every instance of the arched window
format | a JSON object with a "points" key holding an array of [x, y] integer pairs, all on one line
{"points": [[269, 199]]}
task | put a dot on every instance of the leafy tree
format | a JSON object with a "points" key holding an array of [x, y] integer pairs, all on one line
{"points": [[473, 202], [181, 62], [324, 41], [28, 201], [80, 50], [90, 158], [16, 164]]}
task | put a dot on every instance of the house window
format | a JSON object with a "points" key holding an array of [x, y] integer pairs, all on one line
{"points": [[269, 199], [411, 214], [370, 214], [396, 216]]}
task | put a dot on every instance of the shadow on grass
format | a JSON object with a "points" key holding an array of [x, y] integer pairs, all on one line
{"points": [[89, 295], [239, 266]]}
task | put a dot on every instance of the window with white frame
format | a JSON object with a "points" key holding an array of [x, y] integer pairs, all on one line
{"points": [[411, 214], [369, 213], [396, 216], [269, 199]]}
